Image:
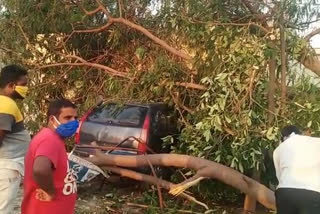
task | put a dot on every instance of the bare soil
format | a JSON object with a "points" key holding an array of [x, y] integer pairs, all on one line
{"points": [[134, 198]]}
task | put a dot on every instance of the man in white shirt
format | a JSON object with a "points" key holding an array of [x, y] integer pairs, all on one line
{"points": [[297, 164]]}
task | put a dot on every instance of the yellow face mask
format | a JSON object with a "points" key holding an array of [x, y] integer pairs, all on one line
{"points": [[22, 90]]}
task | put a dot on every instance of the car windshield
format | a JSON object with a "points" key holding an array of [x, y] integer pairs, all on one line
{"points": [[125, 115]]}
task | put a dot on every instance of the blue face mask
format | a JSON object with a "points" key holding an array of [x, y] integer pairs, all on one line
{"points": [[67, 129]]}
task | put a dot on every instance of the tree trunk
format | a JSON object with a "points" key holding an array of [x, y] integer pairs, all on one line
{"points": [[250, 202], [312, 63], [271, 89], [204, 168], [283, 64]]}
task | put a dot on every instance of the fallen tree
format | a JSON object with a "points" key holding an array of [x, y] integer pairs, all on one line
{"points": [[172, 56], [204, 169]]}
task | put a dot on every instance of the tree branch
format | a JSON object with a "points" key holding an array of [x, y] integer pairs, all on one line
{"points": [[191, 85], [24, 35], [253, 10], [283, 58], [99, 66], [249, 6], [120, 8], [193, 21], [271, 89], [153, 38], [312, 63], [168, 209], [313, 33], [139, 28], [107, 69], [104, 9], [265, 30], [158, 186], [26, 38], [176, 100], [150, 179], [204, 168], [310, 22], [96, 30], [90, 13]]}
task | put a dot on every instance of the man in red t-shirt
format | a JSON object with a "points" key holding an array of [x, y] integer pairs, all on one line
{"points": [[49, 185]]}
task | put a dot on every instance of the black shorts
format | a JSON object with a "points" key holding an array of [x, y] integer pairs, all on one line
{"points": [[297, 201]]}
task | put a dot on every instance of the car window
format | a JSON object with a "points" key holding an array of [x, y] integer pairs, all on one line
{"points": [[126, 115]]}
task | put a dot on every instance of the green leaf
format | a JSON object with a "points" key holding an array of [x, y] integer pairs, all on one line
{"points": [[207, 148], [140, 53], [270, 135], [207, 135], [227, 119], [233, 163], [241, 167]]}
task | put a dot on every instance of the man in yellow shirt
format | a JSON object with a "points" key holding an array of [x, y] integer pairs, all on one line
{"points": [[14, 139]]}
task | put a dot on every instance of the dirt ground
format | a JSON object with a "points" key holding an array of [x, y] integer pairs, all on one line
{"points": [[137, 198], [133, 198]]}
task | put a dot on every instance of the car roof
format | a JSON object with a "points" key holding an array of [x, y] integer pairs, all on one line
{"points": [[139, 104]]}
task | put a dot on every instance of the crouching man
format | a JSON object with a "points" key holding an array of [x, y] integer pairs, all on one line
{"points": [[297, 164]]}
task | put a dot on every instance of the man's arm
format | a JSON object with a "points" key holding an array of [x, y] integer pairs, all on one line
{"points": [[276, 162], [6, 123], [2, 133], [43, 174]]}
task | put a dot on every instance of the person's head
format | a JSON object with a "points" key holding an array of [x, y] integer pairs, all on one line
{"points": [[288, 130], [13, 81], [62, 117]]}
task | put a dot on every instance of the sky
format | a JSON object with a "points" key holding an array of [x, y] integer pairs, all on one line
{"points": [[315, 41]]}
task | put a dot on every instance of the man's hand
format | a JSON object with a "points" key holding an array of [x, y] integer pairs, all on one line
{"points": [[42, 195]]}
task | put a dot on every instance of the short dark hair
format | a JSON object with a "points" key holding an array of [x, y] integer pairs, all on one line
{"points": [[288, 130], [11, 73], [56, 106]]}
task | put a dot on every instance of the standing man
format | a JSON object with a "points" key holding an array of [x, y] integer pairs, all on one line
{"points": [[14, 139], [49, 184], [297, 164]]}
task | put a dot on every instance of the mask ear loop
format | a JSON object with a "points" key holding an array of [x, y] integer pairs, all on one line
{"points": [[56, 121], [71, 152]]}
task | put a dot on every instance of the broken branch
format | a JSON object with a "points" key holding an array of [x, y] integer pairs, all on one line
{"points": [[204, 168], [148, 206], [150, 179], [191, 85]]}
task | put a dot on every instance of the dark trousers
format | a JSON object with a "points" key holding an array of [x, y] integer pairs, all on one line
{"points": [[297, 201]]}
